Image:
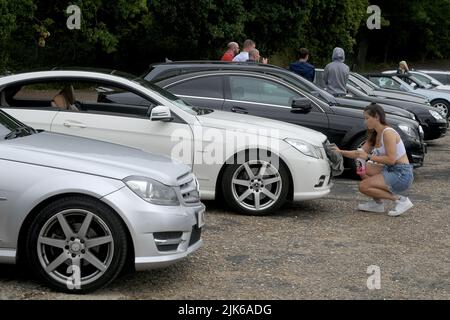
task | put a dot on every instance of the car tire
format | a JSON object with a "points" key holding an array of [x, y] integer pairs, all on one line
{"points": [[256, 187], [442, 105], [77, 245]]}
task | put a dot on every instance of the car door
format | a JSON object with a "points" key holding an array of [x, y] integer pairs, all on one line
{"points": [[200, 90], [125, 123], [268, 98]]}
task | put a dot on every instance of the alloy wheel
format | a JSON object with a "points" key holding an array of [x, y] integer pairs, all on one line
{"points": [[75, 247], [256, 185]]}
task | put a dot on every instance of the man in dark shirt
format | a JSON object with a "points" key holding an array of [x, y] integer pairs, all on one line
{"points": [[302, 67]]}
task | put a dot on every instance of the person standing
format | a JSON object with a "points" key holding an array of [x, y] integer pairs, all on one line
{"points": [[336, 74], [388, 171], [243, 56], [232, 51], [254, 57], [302, 67], [402, 67]]}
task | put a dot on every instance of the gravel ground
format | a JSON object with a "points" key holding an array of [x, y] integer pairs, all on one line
{"points": [[317, 249]]}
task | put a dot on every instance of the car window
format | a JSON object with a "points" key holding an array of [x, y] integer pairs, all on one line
{"points": [[422, 78], [260, 90], [386, 83], [34, 95], [211, 87], [78, 96]]}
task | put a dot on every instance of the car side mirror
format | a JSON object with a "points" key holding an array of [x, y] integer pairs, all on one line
{"points": [[301, 105], [161, 113]]}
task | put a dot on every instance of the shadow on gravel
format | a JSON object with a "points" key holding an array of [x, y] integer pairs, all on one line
{"points": [[15, 272]]}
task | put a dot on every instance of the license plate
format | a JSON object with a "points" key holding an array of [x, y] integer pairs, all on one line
{"points": [[201, 218]]}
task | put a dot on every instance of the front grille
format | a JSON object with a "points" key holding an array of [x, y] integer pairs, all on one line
{"points": [[195, 235], [189, 189]]}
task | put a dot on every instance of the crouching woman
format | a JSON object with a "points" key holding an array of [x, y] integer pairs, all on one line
{"points": [[388, 172]]}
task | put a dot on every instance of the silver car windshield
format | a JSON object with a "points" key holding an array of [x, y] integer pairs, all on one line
{"points": [[11, 128]]}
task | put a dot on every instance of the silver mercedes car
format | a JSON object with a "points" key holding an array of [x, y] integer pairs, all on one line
{"points": [[78, 211]]}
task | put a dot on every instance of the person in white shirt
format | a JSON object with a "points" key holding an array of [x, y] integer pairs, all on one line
{"points": [[243, 56]]}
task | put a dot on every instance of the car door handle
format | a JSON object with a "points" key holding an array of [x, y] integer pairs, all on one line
{"points": [[69, 124], [239, 110]]}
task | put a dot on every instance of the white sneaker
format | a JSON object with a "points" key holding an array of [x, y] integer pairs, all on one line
{"points": [[401, 206], [371, 206]]}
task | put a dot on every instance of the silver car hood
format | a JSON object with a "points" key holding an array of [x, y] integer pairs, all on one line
{"points": [[261, 126], [91, 157]]}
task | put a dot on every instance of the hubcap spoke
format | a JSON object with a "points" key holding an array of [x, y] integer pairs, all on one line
{"points": [[262, 171], [257, 200], [89, 257], [57, 262], [52, 242], [244, 183], [85, 226], [245, 195], [249, 171], [65, 226], [269, 194], [272, 180], [98, 241]]}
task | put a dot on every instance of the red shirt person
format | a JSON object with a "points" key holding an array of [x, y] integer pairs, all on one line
{"points": [[233, 49]]}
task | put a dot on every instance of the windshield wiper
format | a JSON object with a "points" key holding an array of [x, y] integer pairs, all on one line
{"points": [[20, 132]]}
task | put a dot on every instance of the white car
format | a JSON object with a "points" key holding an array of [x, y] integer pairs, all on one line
{"points": [[256, 164], [439, 99], [427, 80]]}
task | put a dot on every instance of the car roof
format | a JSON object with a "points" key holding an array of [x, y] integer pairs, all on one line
{"points": [[434, 71], [218, 72], [214, 62]]}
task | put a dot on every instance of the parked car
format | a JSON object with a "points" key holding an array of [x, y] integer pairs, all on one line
{"points": [[441, 76], [371, 89], [78, 211], [438, 99], [424, 80], [159, 71], [245, 92], [256, 164], [433, 123]]}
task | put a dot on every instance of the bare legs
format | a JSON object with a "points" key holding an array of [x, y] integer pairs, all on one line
{"points": [[373, 184]]}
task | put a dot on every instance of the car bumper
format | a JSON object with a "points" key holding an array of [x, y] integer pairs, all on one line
{"points": [[311, 177], [161, 235], [416, 151], [435, 130]]}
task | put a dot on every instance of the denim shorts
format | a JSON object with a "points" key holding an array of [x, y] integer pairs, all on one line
{"points": [[398, 177]]}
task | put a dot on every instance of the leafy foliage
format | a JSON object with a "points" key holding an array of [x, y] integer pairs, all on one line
{"points": [[131, 34]]}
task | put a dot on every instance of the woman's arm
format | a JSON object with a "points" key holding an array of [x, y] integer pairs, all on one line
{"points": [[353, 154]]}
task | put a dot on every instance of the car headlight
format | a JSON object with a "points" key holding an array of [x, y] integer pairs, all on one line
{"points": [[152, 191], [306, 148], [408, 130], [436, 114]]}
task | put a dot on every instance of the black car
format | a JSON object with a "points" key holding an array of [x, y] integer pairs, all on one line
{"points": [[432, 126], [271, 97]]}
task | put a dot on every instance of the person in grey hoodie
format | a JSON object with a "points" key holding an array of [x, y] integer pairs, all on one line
{"points": [[336, 74]]}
